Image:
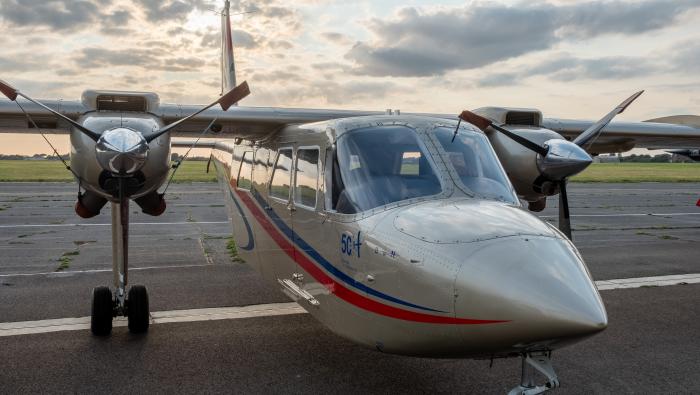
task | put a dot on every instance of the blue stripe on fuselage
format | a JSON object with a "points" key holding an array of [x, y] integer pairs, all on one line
{"points": [[304, 246], [251, 239]]}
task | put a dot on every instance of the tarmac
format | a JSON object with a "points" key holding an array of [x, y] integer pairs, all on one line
{"points": [[50, 260]]}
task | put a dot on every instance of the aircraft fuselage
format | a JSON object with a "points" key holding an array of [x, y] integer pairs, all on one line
{"points": [[451, 274]]}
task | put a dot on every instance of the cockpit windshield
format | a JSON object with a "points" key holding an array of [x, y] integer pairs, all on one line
{"points": [[474, 161], [381, 165]]}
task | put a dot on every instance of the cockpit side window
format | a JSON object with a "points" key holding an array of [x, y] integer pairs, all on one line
{"points": [[376, 166], [472, 159]]}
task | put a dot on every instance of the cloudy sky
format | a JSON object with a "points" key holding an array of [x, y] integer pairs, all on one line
{"points": [[567, 58]]}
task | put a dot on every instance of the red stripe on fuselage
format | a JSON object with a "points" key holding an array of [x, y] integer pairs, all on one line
{"points": [[338, 289]]}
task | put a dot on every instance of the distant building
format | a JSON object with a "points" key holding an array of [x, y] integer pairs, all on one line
{"points": [[611, 158]]}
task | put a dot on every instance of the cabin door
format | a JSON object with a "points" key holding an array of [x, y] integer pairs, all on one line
{"points": [[279, 254], [310, 225]]}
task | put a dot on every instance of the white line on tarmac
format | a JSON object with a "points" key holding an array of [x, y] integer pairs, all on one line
{"points": [[658, 281], [275, 309], [68, 273], [130, 224], [626, 215], [157, 317]]}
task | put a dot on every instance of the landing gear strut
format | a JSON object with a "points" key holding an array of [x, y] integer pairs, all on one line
{"points": [[532, 362], [135, 305]]}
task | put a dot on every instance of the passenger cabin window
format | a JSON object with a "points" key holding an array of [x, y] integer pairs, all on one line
{"points": [[245, 173], [375, 166], [306, 177], [281, 176]]}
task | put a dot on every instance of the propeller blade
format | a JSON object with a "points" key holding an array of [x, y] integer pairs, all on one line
{"points": [[11, 93], [564, 217], [8, 90], [233, 96], [588, 137], [483, 123]]}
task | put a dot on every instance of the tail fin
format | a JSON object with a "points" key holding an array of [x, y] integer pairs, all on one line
{"points": [[228, 64]]}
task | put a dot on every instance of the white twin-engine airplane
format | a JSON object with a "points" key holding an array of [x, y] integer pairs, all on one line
{"points": [[401, 232]]}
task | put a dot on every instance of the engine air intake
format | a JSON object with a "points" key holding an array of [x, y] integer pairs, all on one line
{"points": [[121, 103], [522, 118]]}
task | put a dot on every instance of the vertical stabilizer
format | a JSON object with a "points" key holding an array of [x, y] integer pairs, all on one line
{"points": [[228, 65]]}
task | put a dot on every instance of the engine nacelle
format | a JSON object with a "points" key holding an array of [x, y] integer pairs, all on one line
{"points": [[521, 164]]}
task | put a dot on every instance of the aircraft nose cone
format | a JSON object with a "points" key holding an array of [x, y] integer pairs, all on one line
{"points": [[539, 284]]}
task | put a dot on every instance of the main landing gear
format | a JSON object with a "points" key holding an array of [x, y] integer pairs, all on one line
{"points": [[105, 305], [536, 362]]}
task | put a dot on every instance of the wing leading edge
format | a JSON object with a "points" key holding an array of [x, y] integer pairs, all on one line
{"points": [[658, 133], [244, 122]]}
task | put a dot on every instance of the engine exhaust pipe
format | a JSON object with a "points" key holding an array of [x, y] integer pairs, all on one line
{"points": [[89, 204], [152, 204]]}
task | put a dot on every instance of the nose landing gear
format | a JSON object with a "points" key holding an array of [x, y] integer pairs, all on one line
{"points": [[134, 306], [105, 307], [540, 362]]}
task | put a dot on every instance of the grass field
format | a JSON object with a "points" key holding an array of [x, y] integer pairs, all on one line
{"points": [[22, 170], [42, 170], [640, 172]]}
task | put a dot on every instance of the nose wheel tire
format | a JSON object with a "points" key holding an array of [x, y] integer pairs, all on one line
{"points": [[137, 309], [102, 311]]}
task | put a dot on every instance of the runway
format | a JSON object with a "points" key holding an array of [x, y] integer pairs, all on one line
{"points": [[623, 231]]}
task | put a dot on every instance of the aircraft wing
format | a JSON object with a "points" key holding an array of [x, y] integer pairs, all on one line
{"points": [[259, 122], [240, 121], [670, 132], [13, 120], [247, 122]]}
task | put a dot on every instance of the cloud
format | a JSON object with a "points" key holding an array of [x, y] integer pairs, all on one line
{"points": [[335, 37], [595, 18], [100, 57], [158, 10], [244, 39], [121, 17], [421, 43], [565, 67], [147, 59], [324, 91], [687, 57], [241, 39], [63, 15]]}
